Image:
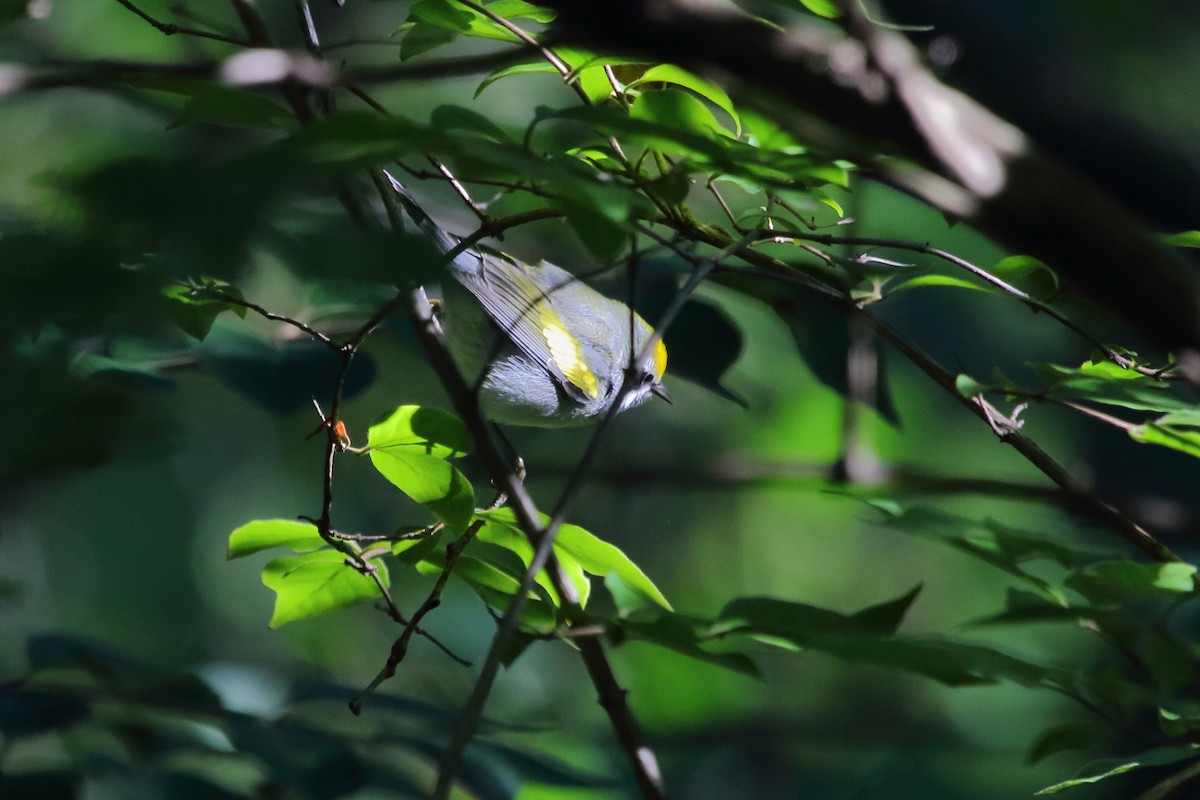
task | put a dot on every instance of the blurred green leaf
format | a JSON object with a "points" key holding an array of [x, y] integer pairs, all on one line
{"points": [[1107, 383], [1059, 738], [861, 639], [1122, 582], [315, 583], [1028, 274], [1184, 239], [1176, 437], [456, 118], [683, 635], [263, 534], [1109, 767], [822, 8]]}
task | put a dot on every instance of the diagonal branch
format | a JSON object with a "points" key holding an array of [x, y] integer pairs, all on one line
{"points": [[1096, 507]]}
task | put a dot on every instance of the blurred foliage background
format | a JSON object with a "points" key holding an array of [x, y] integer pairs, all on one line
{"points": [[131, 450]]}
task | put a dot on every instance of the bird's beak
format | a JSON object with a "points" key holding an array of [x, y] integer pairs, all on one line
{"points": [[661, 391]]}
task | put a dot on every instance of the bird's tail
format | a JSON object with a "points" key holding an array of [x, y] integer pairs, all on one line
{"points": [[444, 241]]}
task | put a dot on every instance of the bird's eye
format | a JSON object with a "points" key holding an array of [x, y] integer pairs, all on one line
{"points": [[647, 378]]}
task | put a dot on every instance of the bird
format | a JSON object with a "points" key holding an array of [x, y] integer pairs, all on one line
{"points": [[547, 350]]}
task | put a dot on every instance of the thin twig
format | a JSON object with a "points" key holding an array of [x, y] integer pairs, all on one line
{"points": [[433, 600], [224, 297], [1034, 303], [171, 29], [1096, 507]]}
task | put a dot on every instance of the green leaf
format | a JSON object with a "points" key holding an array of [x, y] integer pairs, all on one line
{"points": [[497, 587], [594, 555], [1058, 738], [862, 639], [1184, 239], [417, 429], [669, 73], [538, 66], [421, 37], [683, 635], [194, 312], [938, 280], [232, 107], [822, 8], [1185, 440], [263, 534], [1108, 383], [676, 109], [451, 118], [460, 20], [316, 583], [1107, 768], [430, 481], [519, 9], [1029, 274], [1123, 582], [503, 531], [885, 617]]}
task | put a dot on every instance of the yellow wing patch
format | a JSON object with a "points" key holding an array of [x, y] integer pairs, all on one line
{"points": [[567, 354], [660, 359]]}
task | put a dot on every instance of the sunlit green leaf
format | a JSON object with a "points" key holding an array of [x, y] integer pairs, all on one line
{"points": [[315, 583], [431, 482], [1185, 440], [674, 108], [1109, 383], [668, 73], [501, 529], [419, 429], [263, 534], [951, 281], [594, 555], [822, 8]]}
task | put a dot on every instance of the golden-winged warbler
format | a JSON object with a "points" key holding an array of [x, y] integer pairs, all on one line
{"points": [[551, 350]]}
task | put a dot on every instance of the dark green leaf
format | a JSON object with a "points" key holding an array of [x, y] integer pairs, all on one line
{"points": [[231, 106], [30, 712], [457, 118], [885, 618], [684, 636], [1058, 738], [1109, 767]]}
